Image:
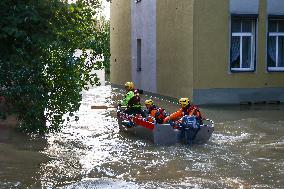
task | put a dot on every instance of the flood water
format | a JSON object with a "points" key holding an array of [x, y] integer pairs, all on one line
{"points": [[246, 151]]}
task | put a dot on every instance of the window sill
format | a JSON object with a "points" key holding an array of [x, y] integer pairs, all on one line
{"points": [[234, 70], [274, 69]]}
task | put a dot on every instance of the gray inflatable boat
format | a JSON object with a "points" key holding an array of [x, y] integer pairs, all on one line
{"points": [[165, 134]]}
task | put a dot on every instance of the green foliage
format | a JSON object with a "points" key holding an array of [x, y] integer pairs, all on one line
{"points": [[105, 36], [40, 77]]}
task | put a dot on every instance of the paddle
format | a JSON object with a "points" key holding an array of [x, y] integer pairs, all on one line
{"points": [[102, 107], [107, 107]]}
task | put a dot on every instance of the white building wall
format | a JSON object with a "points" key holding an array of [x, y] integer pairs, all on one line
{"points": [[143, 21]]}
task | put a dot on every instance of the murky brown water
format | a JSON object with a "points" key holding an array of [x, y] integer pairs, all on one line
{"points": [[246, 151]]}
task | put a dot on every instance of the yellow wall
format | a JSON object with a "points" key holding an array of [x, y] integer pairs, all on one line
{"points": [[212, 50], [175, 47], [120, 41], [210, 43]]}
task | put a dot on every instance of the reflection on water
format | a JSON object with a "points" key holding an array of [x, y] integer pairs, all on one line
{"points": [[246, 151], [20, 159]]}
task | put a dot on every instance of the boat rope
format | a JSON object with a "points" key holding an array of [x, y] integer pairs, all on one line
{"points": [[154, 97], [162, 99]]}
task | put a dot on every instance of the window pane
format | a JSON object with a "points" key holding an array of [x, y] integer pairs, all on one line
{"points": [[272, 27], [246, 50], [247, 26], [281, 26], [281, 51], [236, 25], [235, 52], [271, 54]]}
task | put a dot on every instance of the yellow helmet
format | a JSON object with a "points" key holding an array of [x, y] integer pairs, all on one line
{"points": [[149, 102], [129, 85], [183, 102]]}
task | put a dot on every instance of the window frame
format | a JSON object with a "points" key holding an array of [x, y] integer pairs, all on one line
{"points": [[275, 34], [252, 35], [138, 54]]}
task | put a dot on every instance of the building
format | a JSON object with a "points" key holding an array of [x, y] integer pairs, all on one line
{"points": [[212, 51]]}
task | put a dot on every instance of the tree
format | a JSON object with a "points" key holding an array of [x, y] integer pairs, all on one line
{"points": [[105, 45], [40, 77]]}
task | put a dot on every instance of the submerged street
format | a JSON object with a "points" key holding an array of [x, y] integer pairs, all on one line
{"points": [[245, 151]]}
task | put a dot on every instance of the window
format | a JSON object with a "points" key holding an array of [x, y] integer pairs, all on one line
{"points": [[138, 68], [243, 44], [275, 45]]}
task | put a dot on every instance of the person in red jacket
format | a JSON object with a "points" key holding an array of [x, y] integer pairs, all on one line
{"points": [[155, 112], [186, 109]]}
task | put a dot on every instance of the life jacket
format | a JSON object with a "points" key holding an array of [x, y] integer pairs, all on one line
{"points": [[193, 110], [127, 97], [131, 99], [188, 110], [152, 112], [134, 100], [158, 113]]}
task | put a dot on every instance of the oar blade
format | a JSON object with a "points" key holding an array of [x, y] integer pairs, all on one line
{"points": [[100, 107], [105, 107]]}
